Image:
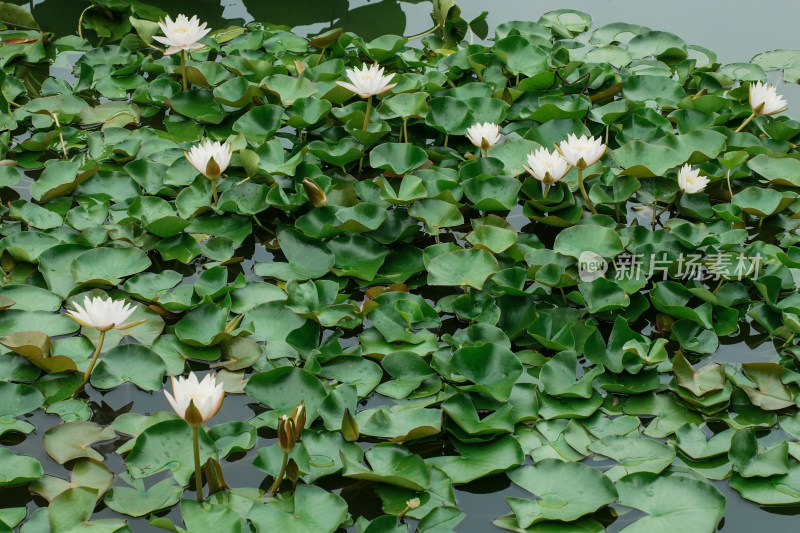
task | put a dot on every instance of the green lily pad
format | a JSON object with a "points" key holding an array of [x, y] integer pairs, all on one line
{"points": [[493, 369], [392, 464], [565, 491], [108, 265], [471, 267], [311, 510], [72, 440], [129, 363], [18, 469], [671, 502], [167, 445], [138, 501]]}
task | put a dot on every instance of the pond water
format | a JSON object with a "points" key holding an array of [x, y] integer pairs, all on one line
{"points": [[727, 27], [730, 28]]}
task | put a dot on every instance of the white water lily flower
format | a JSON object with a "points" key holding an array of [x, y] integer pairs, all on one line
{"points": [[765, 100], [368, 81], [202, 154], [690, 181], [182, 34], [206, 395], [582, 152], [103, 314], [484, 135], [547, 167]]}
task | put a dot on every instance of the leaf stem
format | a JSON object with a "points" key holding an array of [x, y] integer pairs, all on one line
{"points": [[745, 123], [183, 67], [423, 34], [655, 213], [198, 472], [366, 115], [730, 189], [583, 192], [281, 474], [405, 129], [60, 134], [321, 53], [95, 356], [721, 281], [80, 20]]}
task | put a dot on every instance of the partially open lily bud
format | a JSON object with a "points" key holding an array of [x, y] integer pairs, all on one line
{"points": [[413, 503], [286, 438], [314, 193], [298, 417], [349, 427]]}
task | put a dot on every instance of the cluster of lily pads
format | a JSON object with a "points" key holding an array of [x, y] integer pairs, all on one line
{"points": [[373, 246]]}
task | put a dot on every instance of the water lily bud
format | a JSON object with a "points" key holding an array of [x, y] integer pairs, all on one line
{"points": [[192, 415], [8, 262], [286, 438], [214, 478], [292, 471], [298, 417], [349, 427], [664, 323], [314, 193], [413, 503]]}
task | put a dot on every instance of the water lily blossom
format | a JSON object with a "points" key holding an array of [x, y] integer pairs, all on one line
{"points": [[547, 167], [210, 159], [366, 83], [485, 135], [206, 397], [690, 181], [369, 81], [765, 100], [196, 402], [182, 34], [103, 315], [582, 152]]}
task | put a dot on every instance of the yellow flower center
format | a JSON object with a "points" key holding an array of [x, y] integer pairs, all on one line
{"points": [[180, 30]]}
